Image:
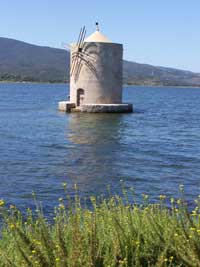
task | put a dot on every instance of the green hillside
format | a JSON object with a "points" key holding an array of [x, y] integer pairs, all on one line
{"points": [[20, 61]]}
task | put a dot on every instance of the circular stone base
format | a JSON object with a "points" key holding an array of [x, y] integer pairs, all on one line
{"points": [[107, 108]]}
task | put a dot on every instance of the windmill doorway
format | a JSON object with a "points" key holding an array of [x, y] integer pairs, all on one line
{"points": [[80, 97]]}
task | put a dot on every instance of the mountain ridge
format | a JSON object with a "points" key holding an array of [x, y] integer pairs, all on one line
{"points": [[24, 62]]}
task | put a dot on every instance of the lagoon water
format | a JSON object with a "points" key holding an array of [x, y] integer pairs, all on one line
{"points": [[154, 149]]}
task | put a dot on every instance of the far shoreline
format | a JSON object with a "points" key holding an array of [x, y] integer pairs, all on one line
{"points": [[124, 85]]}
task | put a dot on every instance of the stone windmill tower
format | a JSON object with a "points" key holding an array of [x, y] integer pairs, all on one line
{"points": [[95, 75]]}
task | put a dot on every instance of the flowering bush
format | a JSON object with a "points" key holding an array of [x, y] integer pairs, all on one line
{"points": [[113, 233]]}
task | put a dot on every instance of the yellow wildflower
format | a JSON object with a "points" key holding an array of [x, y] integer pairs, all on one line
{"points": [[2, 202], [162, 197], [145, 196], [61, 206], [12, 226]]}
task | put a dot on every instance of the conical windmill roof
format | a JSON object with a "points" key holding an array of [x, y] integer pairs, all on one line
{"points": [[97, 37]]}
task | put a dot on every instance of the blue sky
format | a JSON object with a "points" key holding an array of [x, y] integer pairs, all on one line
{"points": [[158, 32]]}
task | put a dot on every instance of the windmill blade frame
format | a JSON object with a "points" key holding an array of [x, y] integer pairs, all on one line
{"points": [[66, 46], [79, 46]]}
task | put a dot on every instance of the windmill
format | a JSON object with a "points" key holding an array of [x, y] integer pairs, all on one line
{"points": [[95, 75]]}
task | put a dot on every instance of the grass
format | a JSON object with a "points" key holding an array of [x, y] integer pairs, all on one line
{"points": [[113, 233]]}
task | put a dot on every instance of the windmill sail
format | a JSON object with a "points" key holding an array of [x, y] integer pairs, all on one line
{"points": [[79, 46]]}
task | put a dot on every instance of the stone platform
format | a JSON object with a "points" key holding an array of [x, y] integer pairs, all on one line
{"points": [[67, 106], [107, 108]]}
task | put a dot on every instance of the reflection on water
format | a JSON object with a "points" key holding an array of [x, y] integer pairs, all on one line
{"points": [[97, 140], [94, 128]]}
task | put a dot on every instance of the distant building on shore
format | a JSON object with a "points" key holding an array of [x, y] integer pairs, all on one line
{"points": [[95, 75]]}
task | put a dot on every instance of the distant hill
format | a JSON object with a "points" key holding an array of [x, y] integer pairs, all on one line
{"points": [[135, 73], [20, 61]]}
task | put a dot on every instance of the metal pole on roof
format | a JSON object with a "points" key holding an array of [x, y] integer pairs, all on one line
{"points": [[97, 26]]}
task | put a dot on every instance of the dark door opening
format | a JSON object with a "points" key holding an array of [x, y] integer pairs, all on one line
{"points": [[80, 96]]}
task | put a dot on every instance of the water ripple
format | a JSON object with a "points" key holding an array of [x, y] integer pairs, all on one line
{"points": [[154, 150]]}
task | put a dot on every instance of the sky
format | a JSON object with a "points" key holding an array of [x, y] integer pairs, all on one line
{"points": [[158, 32]]}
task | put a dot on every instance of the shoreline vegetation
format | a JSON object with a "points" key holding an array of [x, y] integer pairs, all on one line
{"points": [[113, 232], [125, 84]]}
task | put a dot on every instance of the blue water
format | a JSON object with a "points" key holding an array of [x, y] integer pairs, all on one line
{"points": [[154, 149]]}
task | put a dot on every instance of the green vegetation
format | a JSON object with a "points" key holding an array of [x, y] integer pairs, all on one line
{"points": [[21, 62], [114, 233], [30, 79]]}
